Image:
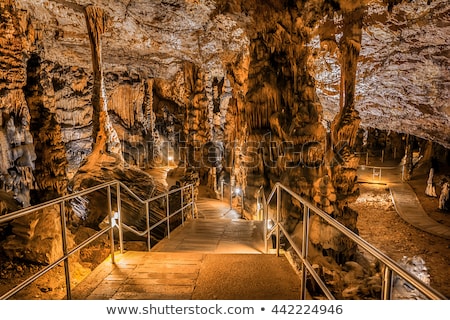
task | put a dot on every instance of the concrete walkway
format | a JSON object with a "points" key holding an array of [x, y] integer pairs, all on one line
{"points": [[404, 198], [215, 236], [217, 256], [191, 276], [218, 229]]}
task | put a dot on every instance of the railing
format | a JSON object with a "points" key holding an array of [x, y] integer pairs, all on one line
{"points": [[114, 218], [377, 170], [391, 267], [169, 215], [234, 192]]}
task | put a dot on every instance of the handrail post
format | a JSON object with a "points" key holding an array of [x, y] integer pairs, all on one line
{"points": [[110, 217], [387, 283], [192, 202], [147, 214], [168, 214], [305, 241], [64, 249], [242, 204], [278, 220], [181, 200], [265, 219], [231, 196], [119, 212]]}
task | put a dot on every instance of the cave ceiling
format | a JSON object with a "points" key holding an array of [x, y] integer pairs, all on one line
{"points": [[403, 69]]}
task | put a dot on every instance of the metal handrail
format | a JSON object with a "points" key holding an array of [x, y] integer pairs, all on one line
{"points": [[25, 211], [112, 216], [166, 219], [391, 265]]}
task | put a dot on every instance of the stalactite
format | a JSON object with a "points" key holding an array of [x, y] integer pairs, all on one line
{"points": [[5, 154], [264, 102], [152, 136], [346, 123], [149, 115], [125, 101], [408, 159], [105, 137]]}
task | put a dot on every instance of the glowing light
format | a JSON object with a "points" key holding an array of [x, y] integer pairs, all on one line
{"points": [[237, 191], [114, 219], [170, 158]]}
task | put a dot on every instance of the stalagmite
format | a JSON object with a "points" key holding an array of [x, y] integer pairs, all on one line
{"points": [[444, 198], [153, 140], [430, 189], [105, 137]]}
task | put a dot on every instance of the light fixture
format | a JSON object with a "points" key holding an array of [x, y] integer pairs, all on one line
{"points": [[114, 219], [237, 191]]}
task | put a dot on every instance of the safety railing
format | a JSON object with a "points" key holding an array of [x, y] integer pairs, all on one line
{"points": [[392, 173], [234, 192], [114, 220], [166, 196], [391, 267]]}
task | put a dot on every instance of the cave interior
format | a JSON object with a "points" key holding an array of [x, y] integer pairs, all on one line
{"points": [[248, 93]]}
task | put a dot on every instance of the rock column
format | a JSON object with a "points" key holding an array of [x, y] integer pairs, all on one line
{"points": [[105, 137]]}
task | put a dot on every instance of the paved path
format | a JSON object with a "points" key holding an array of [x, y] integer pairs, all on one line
{"points": [[409, 208], [215, 236], [215, 209], [218, 229], [217, 256], [191, 276], [405, 199]]}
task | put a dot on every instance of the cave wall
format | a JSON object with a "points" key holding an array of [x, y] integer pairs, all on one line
{"points": [[17, 38], [402, 68]]}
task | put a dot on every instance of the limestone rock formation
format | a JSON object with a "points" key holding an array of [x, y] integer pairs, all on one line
{"points": [[402, 289], [16, 151], [37, 237], [401, 71]]}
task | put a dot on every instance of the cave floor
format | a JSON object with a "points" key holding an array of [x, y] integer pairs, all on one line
{"points": [[413, 226], [384, 227], [404, 197]]}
